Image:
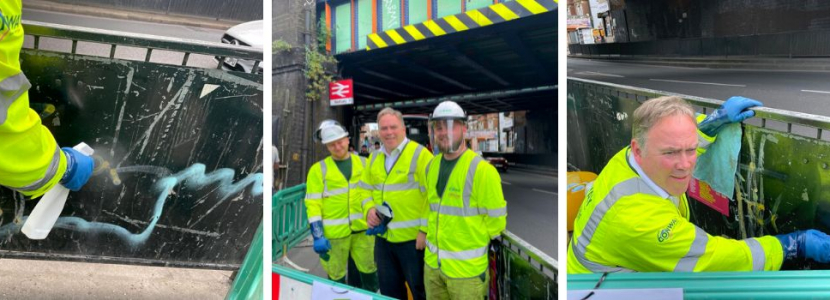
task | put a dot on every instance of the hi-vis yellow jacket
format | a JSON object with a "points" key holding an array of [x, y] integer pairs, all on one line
{"points": [[335, 201], [460, 224], [30, 160], [623, 225], [403, 188]]}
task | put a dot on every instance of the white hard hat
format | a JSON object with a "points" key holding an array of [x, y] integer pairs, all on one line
{"points": [[329, 131], [448, 110]]}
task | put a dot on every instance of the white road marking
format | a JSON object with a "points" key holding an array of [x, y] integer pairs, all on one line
{"points": [[505, 182], [546, 192], [698, 82], [814, 91], [600, 74]]}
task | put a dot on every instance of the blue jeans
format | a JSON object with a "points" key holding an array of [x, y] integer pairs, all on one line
{"points": [[399, 262]]}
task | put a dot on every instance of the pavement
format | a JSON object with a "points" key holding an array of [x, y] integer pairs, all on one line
{"points": [[34, 279], [130, 15]]}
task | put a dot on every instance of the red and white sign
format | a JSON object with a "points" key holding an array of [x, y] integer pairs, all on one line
{"points": [[701, 191], [341, 92]]}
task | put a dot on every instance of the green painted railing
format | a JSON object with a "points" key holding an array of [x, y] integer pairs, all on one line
{"points": [[248, 282], [289, 218], [715, 285], [310, 279]]}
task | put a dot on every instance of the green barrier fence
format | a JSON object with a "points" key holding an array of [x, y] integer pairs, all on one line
{"points": [[289, 218], [248, 282]]}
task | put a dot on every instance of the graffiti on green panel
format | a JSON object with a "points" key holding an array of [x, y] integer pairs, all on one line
{"points": [[391, 14]]}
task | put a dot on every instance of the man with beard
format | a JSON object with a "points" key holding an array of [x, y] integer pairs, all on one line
{"points": [[466, 211]]}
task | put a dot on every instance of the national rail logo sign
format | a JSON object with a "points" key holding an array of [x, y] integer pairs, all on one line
{"points": [[341, 92]]}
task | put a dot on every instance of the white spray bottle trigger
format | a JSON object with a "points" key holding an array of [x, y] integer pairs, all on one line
{"points": [[48, 209]]}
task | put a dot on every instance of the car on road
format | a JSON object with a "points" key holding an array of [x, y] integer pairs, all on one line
{"points": [[497, 161], [246, 34]]}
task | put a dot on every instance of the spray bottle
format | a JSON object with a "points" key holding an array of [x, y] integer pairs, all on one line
{"points": [[48, 209]]}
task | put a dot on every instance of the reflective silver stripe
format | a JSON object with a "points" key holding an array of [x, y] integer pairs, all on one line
{"points": [[50, 172], [314, 219], [334, 222], [12, 88], [356, 216], [471, 174], [631, 186], [423, 189], [367, 200], [462, 255], [323, 169], [424, 222], [363, 161], [404, 224], [314, 196], [758, 256], [336, 192], [696, 250], [467, 211], [702, 142], [413, 166], [399, 187], [362, 184]]}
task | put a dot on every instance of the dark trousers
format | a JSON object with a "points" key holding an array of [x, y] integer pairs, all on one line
{"points": [[399, 262]]}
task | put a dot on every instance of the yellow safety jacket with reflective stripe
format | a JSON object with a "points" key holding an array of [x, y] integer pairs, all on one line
{"points": [[461, 224], [403, 188], [335, 201], [623, 226], [30, 160]]}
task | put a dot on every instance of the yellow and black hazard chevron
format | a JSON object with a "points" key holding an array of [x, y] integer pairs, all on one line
{"points": [[493, 14]]}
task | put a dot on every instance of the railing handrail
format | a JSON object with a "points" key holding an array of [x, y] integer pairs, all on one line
{"points": [[764, 113], [95, 35]]}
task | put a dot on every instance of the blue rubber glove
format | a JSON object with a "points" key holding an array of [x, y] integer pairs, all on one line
{"points": [[812, 244], [734, 110], [78, 169], [321, 243], [385, 218]]}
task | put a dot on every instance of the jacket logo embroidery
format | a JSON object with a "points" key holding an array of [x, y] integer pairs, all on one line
{"points": [[664, 234]]}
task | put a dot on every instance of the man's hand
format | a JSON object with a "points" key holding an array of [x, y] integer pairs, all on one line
{"points": [[372, 218], [738, 108], [421, 241], [812, 244], [78, 169]]}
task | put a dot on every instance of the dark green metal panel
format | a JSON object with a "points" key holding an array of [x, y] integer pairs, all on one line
{"points": [[448, 7], [343, 27], [364, 22], [390, 14], [417, 11], [178, 163]]}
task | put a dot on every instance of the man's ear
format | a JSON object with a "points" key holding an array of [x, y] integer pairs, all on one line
{"points": [[637, 149]]}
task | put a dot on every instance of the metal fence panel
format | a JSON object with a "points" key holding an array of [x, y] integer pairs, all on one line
{"points": [[178, 152]]}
